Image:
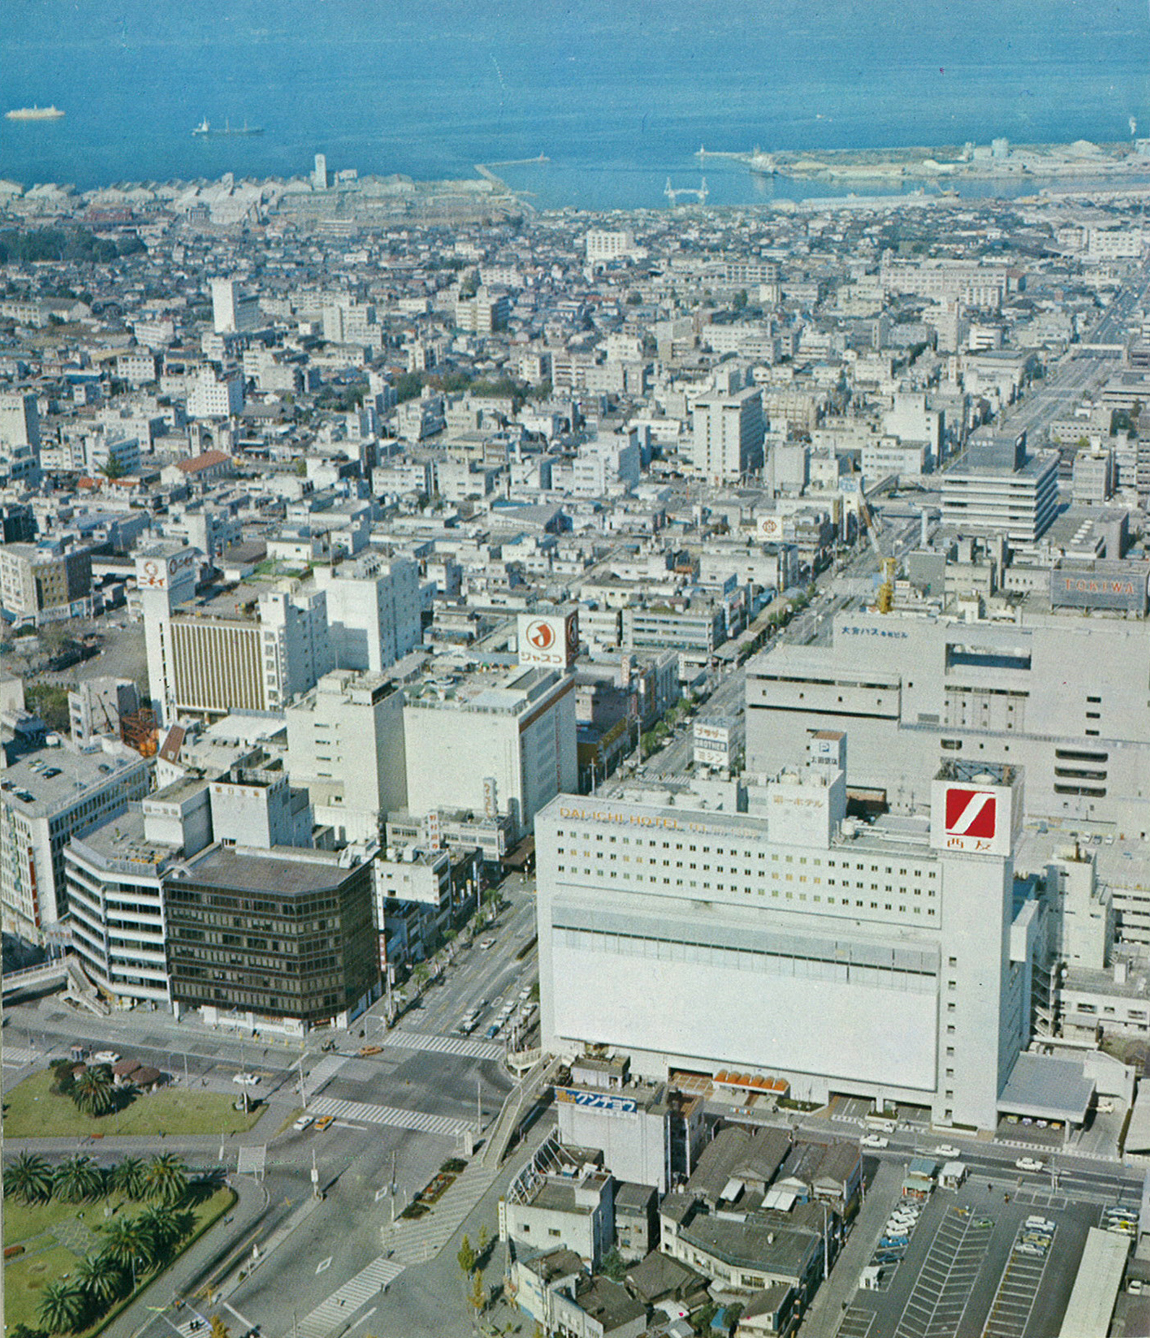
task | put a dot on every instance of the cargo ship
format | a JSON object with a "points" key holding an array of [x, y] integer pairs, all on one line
{"points": [[34, 114], [206, 128]]}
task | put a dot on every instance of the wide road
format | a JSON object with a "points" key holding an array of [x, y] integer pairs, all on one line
{"points": [[408, 1110]]}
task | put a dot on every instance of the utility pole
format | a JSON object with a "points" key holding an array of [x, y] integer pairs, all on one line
{"points": [[302, 1091], [478, 1108]]}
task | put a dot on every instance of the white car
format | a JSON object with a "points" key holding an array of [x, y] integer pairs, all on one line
{"points": [[947, 1150], [874, 1141], [525, 992], [246, 1079], [1030, 1164], [105, 1057], [304, 1122]]}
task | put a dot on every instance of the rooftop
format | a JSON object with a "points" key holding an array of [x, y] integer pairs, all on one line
{"points": [[280, 871], [48, 780]]}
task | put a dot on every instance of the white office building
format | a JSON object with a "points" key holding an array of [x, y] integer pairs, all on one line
{"points": [[46, 798], [245, 648], [346, 745], [373, 610], [884, 962], [727, 442], [231, 312], [115, 889], [492, 748], [216, 395], [1062, 695]]}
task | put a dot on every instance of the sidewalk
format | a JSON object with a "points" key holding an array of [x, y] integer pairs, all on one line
{"points": [[196, 1263], [826, 1312]]}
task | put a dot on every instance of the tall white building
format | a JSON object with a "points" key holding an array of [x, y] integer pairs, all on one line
{"points": [[244, 648], [505, 748], [216, 395], [727, 442], [1062, 695], [885, 962], [373, 609], [47, 798], [346, 745], [19, 439], [232, 313], [605, 244], [115, 889]]}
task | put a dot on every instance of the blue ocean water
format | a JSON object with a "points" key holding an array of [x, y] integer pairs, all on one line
{"points": [[619, 94]]}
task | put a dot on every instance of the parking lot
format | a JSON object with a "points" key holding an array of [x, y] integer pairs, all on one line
{"points": [[975, 1264], [1020, 1283], [947, 1276]]}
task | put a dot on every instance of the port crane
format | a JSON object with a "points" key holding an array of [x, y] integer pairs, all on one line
{"points": [[699, 192]]}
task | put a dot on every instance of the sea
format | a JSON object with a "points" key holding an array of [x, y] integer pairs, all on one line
{"points": [[618, 95]]}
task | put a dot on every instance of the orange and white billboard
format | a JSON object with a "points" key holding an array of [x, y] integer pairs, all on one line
{"points": [[550, 640]]}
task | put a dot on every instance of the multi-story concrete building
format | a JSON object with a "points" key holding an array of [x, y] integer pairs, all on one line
{"points": [[115, 889], [1062, 695], [728, 436], [276, 939], [214, 395], [232, 313], [373, 610], [505, 747], [19, 440], [346, 745], [605, 244], [252, 649], [99, 705], [484, 313], [45, 582], [885, 961], [46, 798], [999, 489]]}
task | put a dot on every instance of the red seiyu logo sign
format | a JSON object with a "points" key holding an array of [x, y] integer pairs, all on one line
{"points": [[971, 813], [541, 635]]}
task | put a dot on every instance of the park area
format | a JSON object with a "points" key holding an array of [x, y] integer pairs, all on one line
{"points": [[38, 1108], [80, 1239]]}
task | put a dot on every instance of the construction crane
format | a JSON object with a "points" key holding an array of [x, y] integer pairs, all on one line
{"points": [[888, 566], [699, 192]]}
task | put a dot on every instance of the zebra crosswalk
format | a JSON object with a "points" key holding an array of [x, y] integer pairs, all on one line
{"points": [[327, 1068], [16, 1056], [444, 1045], [363, 1112], [342, 1304]]}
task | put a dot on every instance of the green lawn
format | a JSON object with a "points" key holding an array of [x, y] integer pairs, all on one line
{"points": [[26, 1275], [31, 1110], [25, 1278]]}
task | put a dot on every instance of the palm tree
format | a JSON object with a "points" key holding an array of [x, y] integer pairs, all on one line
{"points": [[164, 1227], [167, 1178], [28, 1178], [61, 1306], [101, 1279], [94, 1091], [130, 1177], [78, 1178], [126, 1242]]}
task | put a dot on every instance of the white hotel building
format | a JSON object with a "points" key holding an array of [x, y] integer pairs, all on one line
{"points": [[886, 962]]}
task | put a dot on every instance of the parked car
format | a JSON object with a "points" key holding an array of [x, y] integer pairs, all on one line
{"points": [[873, 1141], [246, 1079], [947, 1150], [1030, 1164], [105, 1056]]}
